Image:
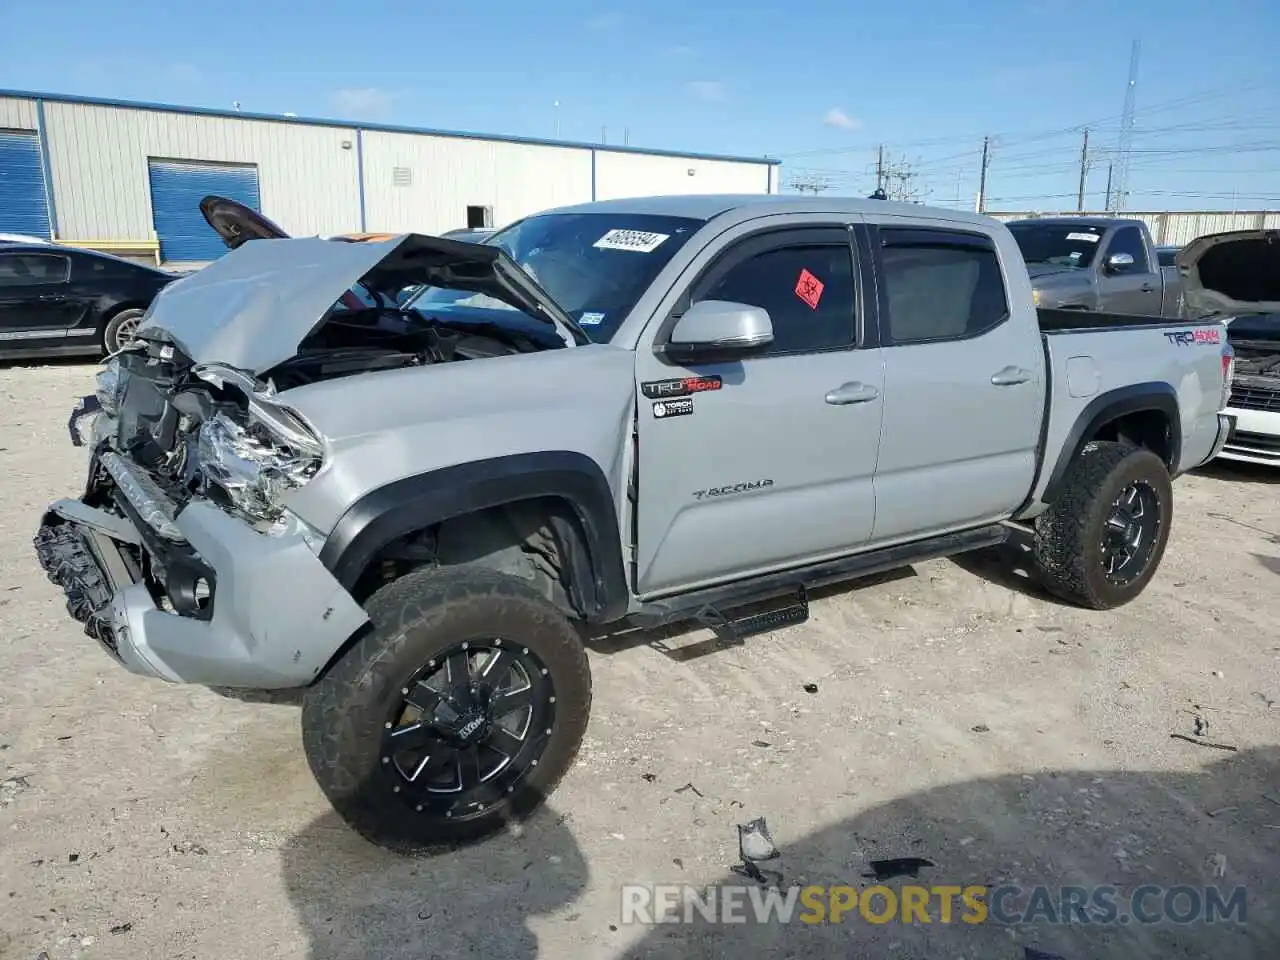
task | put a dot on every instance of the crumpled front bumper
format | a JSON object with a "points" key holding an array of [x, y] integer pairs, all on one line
{"points": [[237, 608]]}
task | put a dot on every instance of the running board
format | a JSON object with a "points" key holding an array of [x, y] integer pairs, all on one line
{"points": [[705, 605]]}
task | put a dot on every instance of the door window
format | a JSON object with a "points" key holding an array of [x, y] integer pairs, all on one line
{"points": [[31, 269], [807, 290], [1129, 240], [937, 291]]}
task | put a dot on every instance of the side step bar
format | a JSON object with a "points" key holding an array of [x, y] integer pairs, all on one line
{"points": [[705, 606]]}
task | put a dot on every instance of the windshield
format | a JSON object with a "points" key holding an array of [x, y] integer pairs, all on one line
{"points": [[594, 265], [1059, 244]]}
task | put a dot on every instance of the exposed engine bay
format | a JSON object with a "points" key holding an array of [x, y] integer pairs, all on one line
{"points": [[217, 432]]}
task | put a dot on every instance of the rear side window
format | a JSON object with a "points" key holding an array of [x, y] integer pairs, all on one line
{"points": [[807, 290], [31, 269], [939, 287]]}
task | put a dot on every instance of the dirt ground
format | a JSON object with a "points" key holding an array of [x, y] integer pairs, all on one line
{"points": [[952, 712]]}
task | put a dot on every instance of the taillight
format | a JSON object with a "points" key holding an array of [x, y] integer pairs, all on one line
{"points": [[1228, 373]]}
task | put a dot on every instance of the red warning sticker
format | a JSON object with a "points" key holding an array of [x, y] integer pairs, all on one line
{"points": [[809, 289]]}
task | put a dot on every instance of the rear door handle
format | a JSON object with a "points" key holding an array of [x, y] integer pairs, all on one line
{"points": [[1010, 376], [1148, 288], [852, 392]]}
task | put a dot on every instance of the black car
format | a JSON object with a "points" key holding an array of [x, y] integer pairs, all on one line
{"points": [[60, 301]]}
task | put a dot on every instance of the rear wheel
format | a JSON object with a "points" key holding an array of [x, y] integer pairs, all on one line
{"points": [[121, 329], [460, 711], [1102, 541]]}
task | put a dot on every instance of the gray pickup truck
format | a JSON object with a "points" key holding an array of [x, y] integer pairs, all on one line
{"points": [[1097, 263], [628, 413]]}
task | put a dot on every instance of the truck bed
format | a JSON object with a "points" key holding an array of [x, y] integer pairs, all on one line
{"points": [[1091, 356], [1062, 321]]}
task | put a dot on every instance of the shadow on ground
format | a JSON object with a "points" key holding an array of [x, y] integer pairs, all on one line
{"points": [[1238, 471], [1220, 826], [357, 901]]}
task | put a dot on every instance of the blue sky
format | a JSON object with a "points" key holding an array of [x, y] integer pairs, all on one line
{"points": [[820, 83]]}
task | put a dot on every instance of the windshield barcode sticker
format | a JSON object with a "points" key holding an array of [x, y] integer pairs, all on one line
{"points": [[638, 241], [591, 319], [1087, 237]]}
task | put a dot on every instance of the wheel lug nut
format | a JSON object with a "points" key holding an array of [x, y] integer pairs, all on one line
{"points": [[387, 725], [395, 789], [551, 699], [404, 691], [418, 808], [511, 789], [524, 650], [386, 759], [533, 763], [544, 671], [465, 644]]}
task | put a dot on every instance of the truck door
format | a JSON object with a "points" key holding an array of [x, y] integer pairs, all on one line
{"points": [[768, 461], [1134, 288], [964, 382]]}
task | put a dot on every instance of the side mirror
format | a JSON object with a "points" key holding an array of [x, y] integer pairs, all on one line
{"points": [[1118, 261], [712, 331]]}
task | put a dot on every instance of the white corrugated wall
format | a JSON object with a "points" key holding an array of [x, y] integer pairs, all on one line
{"points": [[422, 183], [637, 175], [98, 157], [17, 114]]}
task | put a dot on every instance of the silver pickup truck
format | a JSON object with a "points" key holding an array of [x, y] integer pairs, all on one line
{"points": [[620, 414], [1097, 263]]}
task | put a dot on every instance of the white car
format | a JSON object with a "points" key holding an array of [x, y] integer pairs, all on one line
{"points": [[1236, 276]]}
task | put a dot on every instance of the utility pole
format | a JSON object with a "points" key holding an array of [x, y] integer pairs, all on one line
{"points": [[1110, 168], [1125, 145], [982, 176], [1084, 171], [880, 168]]}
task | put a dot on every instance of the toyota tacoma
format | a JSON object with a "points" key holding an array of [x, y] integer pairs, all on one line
{"points": [[620, 414]]}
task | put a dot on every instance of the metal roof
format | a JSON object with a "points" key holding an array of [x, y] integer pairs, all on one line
{"points": [[374, 127]]}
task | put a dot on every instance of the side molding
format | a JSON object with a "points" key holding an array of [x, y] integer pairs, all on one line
{"points": [[401, 507], [1109, 406]]}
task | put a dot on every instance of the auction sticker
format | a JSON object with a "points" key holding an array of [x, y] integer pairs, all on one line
{"points": [[637, 241], [1087, 237]]}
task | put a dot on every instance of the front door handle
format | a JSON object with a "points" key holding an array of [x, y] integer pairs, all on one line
{"points": [[1010, 376], [852, 392], [1148, 288]]}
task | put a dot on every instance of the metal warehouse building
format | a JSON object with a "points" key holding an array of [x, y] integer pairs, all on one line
{"points": [[127, 177]]}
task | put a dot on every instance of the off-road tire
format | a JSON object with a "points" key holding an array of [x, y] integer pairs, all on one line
{"points": [[1068, 536], [413, 620], [111, 333]]}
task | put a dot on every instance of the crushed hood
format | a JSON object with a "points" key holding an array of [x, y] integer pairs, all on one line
{"points": [[253, 307], [1232, 273]]}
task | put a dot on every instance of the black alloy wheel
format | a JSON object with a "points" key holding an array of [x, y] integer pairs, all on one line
{"points": [[1131, 532], [468, 726]]}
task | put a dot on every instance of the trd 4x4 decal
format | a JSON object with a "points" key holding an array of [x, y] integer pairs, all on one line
{"points": [[1185, 337]]}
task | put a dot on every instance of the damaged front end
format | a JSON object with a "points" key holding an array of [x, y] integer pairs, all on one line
{"points": [[172, 556]]}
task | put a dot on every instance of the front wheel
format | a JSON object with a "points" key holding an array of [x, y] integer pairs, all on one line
{"points": [[458, 712], [1101, 542]]}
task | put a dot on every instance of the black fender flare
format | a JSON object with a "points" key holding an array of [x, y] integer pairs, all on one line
{"points": [[1109, 406], [593, 550]]}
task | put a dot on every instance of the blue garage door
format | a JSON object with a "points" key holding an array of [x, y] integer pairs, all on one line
{"points": [[177, 187], [24, 207]]}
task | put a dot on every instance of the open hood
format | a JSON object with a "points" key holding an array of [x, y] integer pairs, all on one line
{"points": [[235, 223], [253, 307], [1232, 273]]}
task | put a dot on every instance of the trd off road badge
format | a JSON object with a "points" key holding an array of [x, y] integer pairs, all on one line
{"points": [[679, 387], [666, 409]]}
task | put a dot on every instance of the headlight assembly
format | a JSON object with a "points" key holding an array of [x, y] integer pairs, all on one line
{"points": [[257, 465], [111, 381]]}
